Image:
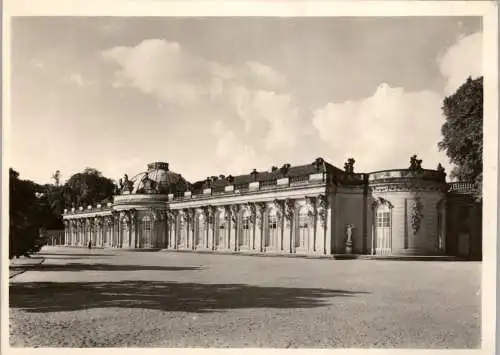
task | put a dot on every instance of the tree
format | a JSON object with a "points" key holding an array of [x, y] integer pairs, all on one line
{"points": [[29, 210], [463, 131], [57, 178], [87, 188]]}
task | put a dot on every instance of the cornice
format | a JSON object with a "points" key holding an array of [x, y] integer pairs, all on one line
{"points": [[408, 186]]}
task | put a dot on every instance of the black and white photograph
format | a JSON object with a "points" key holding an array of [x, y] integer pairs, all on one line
{"points": [[293, 179]]}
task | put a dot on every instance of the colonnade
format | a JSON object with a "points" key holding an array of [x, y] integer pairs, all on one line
{"points": [[285, 226]]}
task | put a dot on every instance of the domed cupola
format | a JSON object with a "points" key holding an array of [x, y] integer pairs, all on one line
{"points": [[157, 179]]}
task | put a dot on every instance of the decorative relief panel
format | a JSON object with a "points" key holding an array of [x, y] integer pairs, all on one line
{"points": [[416, 215], [322, 208]]}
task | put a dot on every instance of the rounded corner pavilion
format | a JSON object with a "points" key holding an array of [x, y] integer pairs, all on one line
{"points": [[311, 209]]}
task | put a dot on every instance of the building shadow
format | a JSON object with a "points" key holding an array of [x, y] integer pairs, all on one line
{"points": [[163, 296], [106, 267], [97, 254]]}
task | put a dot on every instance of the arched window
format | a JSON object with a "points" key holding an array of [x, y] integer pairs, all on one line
{"points": [[147, 232], [246, 229], [272, 231], [383, 226], [304, 228]]}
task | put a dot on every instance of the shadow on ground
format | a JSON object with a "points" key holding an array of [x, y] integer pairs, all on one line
{"points": [[105, 267], [75, 254], [163, 296]]}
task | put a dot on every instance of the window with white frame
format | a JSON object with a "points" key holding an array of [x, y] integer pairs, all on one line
{"points": [[147, 230], [245, 229], [304, 228], [383, 218], [222, 228], [200, 229], [272, 231]]}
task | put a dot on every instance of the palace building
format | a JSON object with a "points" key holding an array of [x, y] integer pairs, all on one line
{"points": [[312, 209]]}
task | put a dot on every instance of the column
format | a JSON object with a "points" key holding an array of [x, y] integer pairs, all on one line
{"points": [[209, 234], [66, 232], [134, 229], [233, 241], [323, 224], [289, 213], [260, 209]]}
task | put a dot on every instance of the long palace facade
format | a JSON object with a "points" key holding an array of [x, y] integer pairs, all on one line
{"points": [[312, 209]]}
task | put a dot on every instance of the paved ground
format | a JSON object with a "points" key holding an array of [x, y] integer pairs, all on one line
{"points": [[156, 299]]}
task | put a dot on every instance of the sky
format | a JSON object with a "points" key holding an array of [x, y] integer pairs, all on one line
{"points": [[217, 96]]}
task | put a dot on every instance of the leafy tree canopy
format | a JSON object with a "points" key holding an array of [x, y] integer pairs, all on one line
{"points": [[463, 131], [89, 187]]}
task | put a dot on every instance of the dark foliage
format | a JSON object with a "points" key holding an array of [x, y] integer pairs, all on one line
{"points": [[87, 188], [29, 215], [463, 131], [35, 208]]}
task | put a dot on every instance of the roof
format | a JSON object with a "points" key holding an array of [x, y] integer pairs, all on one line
{"points": [[317, 166]]}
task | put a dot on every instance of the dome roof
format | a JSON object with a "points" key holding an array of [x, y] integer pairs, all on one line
{"points": [[158, 179]]}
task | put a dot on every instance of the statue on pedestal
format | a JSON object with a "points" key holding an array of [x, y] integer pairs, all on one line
{"points": [[348, 243]]}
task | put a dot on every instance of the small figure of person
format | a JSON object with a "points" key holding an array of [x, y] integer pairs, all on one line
{"points": [[90, 244]]}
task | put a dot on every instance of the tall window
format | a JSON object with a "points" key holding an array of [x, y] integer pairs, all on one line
{"points": [[200, 229], [304, 228], [222, 229], [124, 231], [147, 231], [383, 219], [108, 233], [383, 223], [272, 232], [245, 229]]}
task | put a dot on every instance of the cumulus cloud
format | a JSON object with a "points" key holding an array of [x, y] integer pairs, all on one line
{"points": [[462, 60], [384, 130], [256, 115], [255, 123], [166, 70]]}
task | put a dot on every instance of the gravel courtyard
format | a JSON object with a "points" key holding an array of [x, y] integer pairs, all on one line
{"points": [[107, 298]]}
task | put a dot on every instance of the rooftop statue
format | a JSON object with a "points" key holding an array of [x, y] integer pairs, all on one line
{"points": [[415, 164], [349, 166], [148, 185], [127, 185]]}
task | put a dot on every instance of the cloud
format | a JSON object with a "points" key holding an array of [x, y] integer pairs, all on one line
{"points": [[255, 115], [383, 130], [173, 75], [79, 80], [462, 60]]}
